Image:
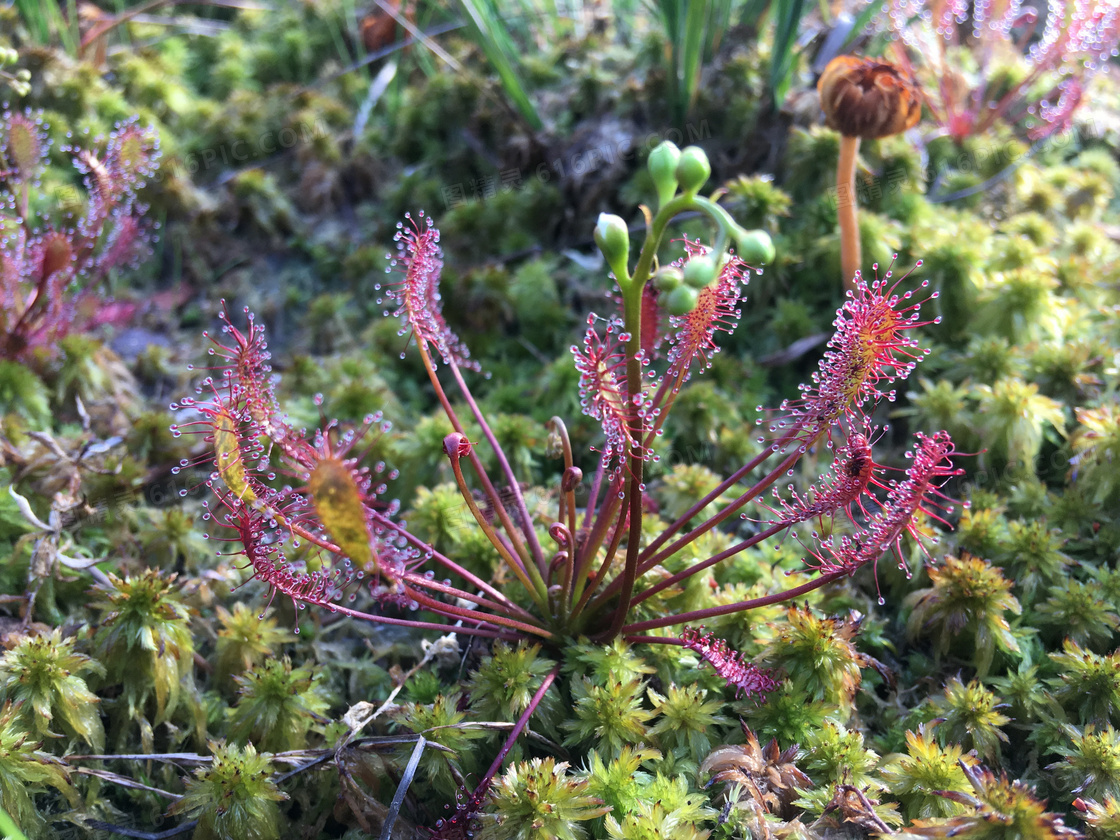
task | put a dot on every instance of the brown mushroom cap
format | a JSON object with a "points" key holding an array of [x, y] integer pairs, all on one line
{"points": [[868, 99]]}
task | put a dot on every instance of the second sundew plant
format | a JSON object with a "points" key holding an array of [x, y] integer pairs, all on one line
{"points": [[314, 524]]}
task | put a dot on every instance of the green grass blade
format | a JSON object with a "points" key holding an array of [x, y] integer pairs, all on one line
{"points": [[48, 25], [490, 33], [787, 20], [753, 14], [671, 21], [692, 54], [719, 21]]}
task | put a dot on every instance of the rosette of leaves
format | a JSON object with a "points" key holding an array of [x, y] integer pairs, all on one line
{"points": [[982, 530], [276, 705], [611, 715], [1066, 369], [941, 405], [987, 358], [918, 779], [440, 721], [789, 716], [1102, 819], [171, 539], [1027, 694], [538, 800], [1014, 418], [819, 654], [245, 640], [505, 681], [686, 720], [667, 810], [1002, 810], [42, 675], [1080, 611], [970, 596], [1088, 684], [836, 754], [1096, 444], [25, 771], [233, 797], [1032, 552], [604, 664], [969, 716], [1090, 763], [619, 783], [144, 641]]}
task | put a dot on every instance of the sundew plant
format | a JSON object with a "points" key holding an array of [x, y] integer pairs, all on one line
{"points": [[316, 524], [981, 62]]}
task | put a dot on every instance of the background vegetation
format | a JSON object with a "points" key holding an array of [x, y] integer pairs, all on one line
{"points": [[141, 691]]}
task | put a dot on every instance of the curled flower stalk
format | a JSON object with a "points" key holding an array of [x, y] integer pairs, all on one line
{"points": [[315, 521]]}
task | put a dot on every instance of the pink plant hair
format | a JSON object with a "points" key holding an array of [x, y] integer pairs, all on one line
{"points": [[850, 476], [604, 395], [417, 293], [918, 493], [871, 349], [692, 336], [745, 677]]}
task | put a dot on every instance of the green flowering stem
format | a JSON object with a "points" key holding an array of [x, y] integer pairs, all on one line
{"points": [[632, 290]]}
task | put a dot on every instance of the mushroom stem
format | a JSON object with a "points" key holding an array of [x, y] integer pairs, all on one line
{"points": [[846, 210]]}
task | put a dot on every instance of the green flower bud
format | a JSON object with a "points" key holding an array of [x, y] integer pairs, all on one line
{"points": [[662, 165], [693, 169], [668, 278], [682, 300], [755, 247], [613, 240], [699, 272]]}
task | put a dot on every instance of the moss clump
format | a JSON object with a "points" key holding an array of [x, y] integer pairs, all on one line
{"points": [[234, 796]]}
